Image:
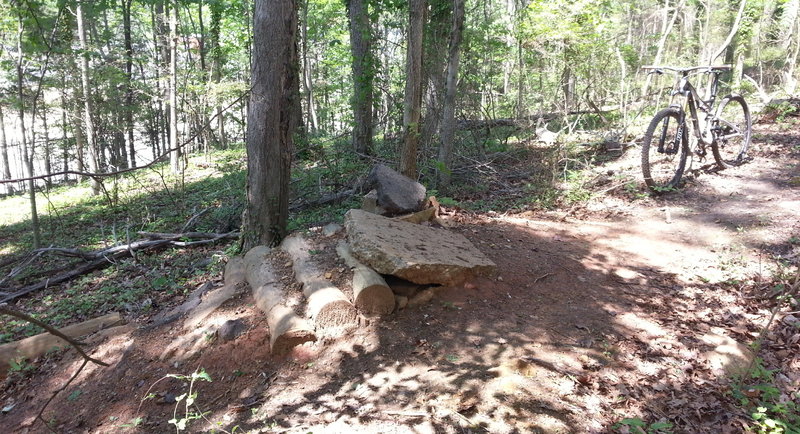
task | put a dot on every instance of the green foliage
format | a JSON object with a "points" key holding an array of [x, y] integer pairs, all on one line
{"points": [[764, 402], [638, 425]]}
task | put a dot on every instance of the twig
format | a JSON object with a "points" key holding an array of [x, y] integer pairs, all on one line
{"points": [[194, 218], [541, 277]]}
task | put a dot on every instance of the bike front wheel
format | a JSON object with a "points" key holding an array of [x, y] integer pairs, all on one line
{"points": [[664, 150], [732, 131]]}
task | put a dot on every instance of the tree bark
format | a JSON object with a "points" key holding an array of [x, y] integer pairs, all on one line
{"points": [[308, 83], [449, 108], [175, 154], [413, 90], [87, 99], [27, 155], [216, 67], [363, 74], [269, 122], [126, 30], [5, 167]]}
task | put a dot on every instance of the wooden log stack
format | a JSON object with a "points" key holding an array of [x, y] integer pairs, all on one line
{"points": [[286, 328], [330, 309]]}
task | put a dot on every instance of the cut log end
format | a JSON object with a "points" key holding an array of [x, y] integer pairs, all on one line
{"points": [[336, 316], [375, 299], [287, 330], [283, 344]]}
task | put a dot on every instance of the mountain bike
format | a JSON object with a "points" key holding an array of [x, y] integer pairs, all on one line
{"points": [[690, 124]]}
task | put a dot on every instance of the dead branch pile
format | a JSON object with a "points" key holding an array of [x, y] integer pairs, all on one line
{"points": [[90, 261]]}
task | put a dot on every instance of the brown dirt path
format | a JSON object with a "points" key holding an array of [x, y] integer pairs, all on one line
{"points": [[587, 322]]}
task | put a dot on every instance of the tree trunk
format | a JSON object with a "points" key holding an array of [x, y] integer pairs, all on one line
{"points": [[87, 99], [449, 108], [308, 83], [731, 34], [661, 44], [216, 67], [175, 153], [48, 163], [363, 74], [269, 122], [64, 141], [128, 109], [26, 155], [413, 91], [80, 140], [5, 167]]}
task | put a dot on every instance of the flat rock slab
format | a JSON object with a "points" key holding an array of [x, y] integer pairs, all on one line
{"points": [[417, 253], [397, 194]]}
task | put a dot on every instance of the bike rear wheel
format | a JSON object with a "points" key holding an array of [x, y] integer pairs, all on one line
{"points": [[664, 150], [732, 131]]}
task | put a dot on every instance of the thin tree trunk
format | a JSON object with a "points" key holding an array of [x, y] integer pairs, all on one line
{"points": [[269, 122], [413, 91], [48, 163], [363, 74], [729, 39], [449, 108], [308, 84], [64, 141], [216, 67], [128, 109], [4, 164], [175, 154], [87, 99], [661, 44], [26, 155]]}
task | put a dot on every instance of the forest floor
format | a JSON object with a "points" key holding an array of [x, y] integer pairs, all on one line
{"points": [[620, 312]]}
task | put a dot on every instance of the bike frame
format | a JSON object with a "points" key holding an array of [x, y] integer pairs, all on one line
{"points": [[692, 98]]}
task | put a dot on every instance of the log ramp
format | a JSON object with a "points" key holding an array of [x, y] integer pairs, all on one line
{"points": [[371, 294], [286, 329], [332, 312]]}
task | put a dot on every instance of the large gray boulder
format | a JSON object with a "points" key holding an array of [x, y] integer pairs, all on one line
{"points": [[397, 194], [417, 253]]}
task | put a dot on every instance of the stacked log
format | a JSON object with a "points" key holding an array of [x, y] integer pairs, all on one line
{"points": [[330, 309], [286, 328], [371, 294]]}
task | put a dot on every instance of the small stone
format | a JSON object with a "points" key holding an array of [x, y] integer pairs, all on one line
{"points": [[231, 329], [369, 203], [421, 297], [331, 229], [401, 301]]}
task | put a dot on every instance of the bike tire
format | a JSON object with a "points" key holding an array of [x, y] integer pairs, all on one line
{"points": [[663, 165], [733, 131]]}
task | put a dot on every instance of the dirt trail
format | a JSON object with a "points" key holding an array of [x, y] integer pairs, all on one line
{"points": [[588, 322]]}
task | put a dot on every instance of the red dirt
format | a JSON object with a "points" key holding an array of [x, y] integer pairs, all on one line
{"points": [[589, 321]]}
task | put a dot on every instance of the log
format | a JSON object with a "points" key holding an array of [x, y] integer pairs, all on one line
{"points": [[38, 345], [431, 212], [371, 294], [234, 280], [330, 309], [286, 329]]}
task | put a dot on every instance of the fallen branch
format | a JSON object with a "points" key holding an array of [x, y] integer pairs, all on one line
{"points": [[105, 257]]}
